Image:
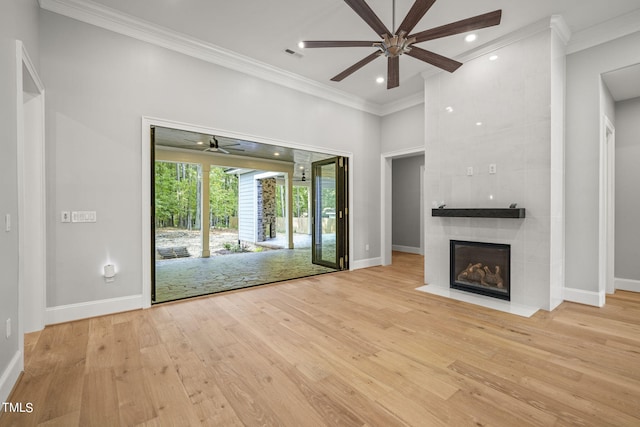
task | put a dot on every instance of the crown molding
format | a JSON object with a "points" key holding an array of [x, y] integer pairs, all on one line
{"points": [[118, 22], [560, 27], [402, 104], [604, 32], [110, 19]]}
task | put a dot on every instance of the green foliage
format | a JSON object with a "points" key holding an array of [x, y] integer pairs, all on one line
{"points": [[176, 194], [223, 197], [300, 201], [178, 189]]}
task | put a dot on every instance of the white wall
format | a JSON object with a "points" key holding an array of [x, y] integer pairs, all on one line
{"points": [[512, 98], [583, 133], [627, 178], [101, 84], [406, 201], [403, 130], [18, 20]]}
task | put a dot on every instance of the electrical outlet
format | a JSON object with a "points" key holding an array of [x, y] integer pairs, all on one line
{"points": [[8, 327], [492, 168], [470, 171]]}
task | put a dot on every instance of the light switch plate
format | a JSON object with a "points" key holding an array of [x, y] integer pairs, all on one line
{"points": [[83, 216], [65, 216], [7, 222], [470, 171]]}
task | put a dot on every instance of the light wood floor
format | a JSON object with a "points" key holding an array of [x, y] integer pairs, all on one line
{"points": [[353, 348]]}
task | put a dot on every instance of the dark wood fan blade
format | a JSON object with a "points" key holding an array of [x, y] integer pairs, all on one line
{"points": [[393, 72], [418, 10], [355, 67], [434, 59], [364, 11], [475, 23], [338, 43]]}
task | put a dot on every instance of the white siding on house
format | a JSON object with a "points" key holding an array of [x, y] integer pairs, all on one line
{"points": [[247, 207]]}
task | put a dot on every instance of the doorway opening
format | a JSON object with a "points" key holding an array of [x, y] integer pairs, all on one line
{"points": [[31, 195], [226, 215], [402, 202]]}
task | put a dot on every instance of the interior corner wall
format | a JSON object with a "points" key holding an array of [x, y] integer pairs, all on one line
{"points": [[627, 233], [100, 84], [18, 21], [406, 202], [511, 98], [582, 156], [403, 129]]}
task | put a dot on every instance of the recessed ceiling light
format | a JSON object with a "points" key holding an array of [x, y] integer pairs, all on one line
{"points": [[199, 142], [493, 57], [380, 80], [470, 38], [276, 154], [478, 123], [449, 109], [301, 45]]}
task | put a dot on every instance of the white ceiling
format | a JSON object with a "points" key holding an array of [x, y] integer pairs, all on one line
{"points": [[623, 83], [262, 30], [193, 141]]}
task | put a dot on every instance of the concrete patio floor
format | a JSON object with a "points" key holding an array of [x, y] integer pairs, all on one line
{"points": [[188, 277]]}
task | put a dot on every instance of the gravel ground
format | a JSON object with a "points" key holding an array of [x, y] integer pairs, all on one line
{"points": [[172, 237]]}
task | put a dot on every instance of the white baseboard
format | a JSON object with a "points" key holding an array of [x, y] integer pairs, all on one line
{"points": [[365, 263], [580, 296], [84, 310], [627, 285], [10, 376], [407, 249]]}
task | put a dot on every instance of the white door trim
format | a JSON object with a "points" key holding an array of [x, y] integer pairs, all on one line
{"points": [[606, 270], [386, 170], [32, 261]]}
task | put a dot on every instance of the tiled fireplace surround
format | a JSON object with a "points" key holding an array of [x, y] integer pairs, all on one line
{"points": [[502, 112]]}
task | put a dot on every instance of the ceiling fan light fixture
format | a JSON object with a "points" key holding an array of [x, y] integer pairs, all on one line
{"points": [[395, 45]]}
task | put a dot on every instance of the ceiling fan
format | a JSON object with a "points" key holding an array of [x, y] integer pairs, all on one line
{"points": [[402, 41], [214, 146]]}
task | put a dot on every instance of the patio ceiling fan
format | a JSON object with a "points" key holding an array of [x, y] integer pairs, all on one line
{"points": [[214, 146], [303, 178], [402, 41]]}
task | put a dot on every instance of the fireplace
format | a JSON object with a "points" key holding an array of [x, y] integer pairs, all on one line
{"points": [[482, 268]]}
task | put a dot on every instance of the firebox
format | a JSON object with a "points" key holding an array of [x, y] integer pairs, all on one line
{"points": [[482, 268]]}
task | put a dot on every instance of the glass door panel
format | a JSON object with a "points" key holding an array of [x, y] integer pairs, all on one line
{"points": [[329, 213]]}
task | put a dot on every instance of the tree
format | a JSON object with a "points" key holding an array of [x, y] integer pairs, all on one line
{"points": [[176, 194], [223, 193]]}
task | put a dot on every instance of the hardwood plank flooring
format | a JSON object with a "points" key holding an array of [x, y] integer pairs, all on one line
{"points": [[358, 348]]}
